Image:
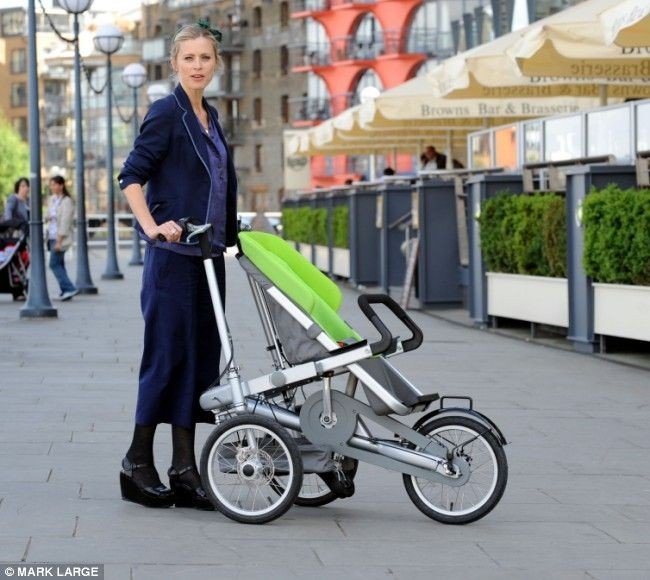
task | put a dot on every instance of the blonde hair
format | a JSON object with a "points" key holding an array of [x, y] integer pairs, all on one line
{"points": [[192, 32]]}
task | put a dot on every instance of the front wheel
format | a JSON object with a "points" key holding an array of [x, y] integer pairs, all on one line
{"points": [[239, 463], [472, 441]]}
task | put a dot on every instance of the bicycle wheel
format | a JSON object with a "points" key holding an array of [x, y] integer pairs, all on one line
{"points": [[239, 463], [469, 440]]}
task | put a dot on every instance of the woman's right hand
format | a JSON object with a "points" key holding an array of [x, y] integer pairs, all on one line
{"points": [[170, 230]]}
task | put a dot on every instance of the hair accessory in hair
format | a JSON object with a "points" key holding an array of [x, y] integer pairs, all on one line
{"points": [[204, 23]]}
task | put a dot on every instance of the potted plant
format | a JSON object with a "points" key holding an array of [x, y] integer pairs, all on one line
{"points": [[523, 242], [617, 257]]}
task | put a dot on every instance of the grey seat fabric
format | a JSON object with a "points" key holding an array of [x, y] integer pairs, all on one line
{"points": [[297, 346], [388, 377]]}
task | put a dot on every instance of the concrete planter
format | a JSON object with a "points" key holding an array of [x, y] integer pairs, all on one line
{"points": [[622, 310], [532, 298], [305, 250], [341, 262], [322, 258]]}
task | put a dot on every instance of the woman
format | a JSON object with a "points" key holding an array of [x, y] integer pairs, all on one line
{"points": [[16, 208], [60, 218], [182, 156]]}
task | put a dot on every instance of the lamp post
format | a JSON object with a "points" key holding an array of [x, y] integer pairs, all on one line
{"points": [[84, 282], [38, 303], [109, 40], [135, 75]]}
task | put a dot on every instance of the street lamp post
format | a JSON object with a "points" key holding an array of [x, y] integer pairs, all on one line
{"points": [[134, 76], [38, 301], [109, 40], [84, 282]]}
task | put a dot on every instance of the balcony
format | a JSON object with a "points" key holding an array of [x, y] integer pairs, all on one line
{"points": [[155, 50], [309, 56], [307, 111], [230, 84], [307, 6], [232, 40], [233, 130], [356, 48]]}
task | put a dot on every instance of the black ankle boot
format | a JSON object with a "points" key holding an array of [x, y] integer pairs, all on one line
{"points": [[339, 483], [185, 493], [132, 490]]}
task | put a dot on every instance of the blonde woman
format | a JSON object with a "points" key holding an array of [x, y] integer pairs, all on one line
{"points": [[182, 156]]}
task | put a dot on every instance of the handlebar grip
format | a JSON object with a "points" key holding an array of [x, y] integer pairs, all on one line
{"points": [[386, 340], [416, 333]]}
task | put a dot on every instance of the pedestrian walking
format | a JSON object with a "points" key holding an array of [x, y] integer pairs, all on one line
{"points": [[182, 156], [16, 210], [60, 226]]}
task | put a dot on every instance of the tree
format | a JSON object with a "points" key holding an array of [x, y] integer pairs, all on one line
{"points": [[14, 158]]}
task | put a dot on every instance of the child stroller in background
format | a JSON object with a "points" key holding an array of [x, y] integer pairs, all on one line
{"points": [[14, 259]]}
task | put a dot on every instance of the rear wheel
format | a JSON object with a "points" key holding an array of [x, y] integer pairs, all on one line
{"points": [[240, 462], [475, 444]]}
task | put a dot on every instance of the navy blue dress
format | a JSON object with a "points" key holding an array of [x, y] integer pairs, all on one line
{"points": [[181, 343]]}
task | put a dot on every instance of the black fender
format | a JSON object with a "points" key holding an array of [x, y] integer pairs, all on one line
{"points": [[463, 411]]}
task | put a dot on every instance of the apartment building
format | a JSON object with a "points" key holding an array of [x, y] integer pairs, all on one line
{"points": [[253, 90]]}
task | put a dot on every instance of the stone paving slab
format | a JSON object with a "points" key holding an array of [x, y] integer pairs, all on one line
{"points": [[577, 505]]}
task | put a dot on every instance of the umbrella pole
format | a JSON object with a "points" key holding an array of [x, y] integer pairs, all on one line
{"points": [[602, 94]]}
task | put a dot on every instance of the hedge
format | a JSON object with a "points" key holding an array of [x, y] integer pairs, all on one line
{"points": [[309, 225], [617, 235], [524, 234], [340, 220], [297, 224]]}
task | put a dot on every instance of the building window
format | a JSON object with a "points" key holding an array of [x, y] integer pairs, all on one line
{"points": [[284, 108], [258, 158], [257, 17], [20, 124], [284, 14], [257, 64], [13, 23], [18, 61], [284, 60], [257, 110], [18, 95]]}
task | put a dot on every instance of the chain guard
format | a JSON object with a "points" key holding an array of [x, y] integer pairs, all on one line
{"points": [[338, 434]]}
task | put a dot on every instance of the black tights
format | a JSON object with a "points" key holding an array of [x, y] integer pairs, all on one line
{"points": [[141, 451]]}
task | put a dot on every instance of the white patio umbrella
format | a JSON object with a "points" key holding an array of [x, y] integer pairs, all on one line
{"points": [[489, 71], [583, 42]]}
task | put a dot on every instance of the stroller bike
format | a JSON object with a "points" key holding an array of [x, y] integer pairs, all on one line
{"points": [[14, 259], [273, 447]]}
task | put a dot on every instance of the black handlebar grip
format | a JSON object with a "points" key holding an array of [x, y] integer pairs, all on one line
{"points": [[386, 340], [416, 333]]}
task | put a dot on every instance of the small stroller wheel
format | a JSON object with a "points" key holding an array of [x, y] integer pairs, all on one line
{"points": [[239, 463]]}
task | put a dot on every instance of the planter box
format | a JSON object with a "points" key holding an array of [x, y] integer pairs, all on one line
{"points": [[322, 258], [622, 310], [305, 250], [341, 262], [531, 298]]}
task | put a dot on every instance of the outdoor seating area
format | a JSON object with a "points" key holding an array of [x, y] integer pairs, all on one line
{"points": [[470, 256], [546, 226]]}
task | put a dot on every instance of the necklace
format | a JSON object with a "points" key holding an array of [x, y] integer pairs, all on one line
{"points": [[204, 125]]}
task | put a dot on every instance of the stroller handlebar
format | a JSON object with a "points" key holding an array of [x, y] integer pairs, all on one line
{"points": [[387, 344]]}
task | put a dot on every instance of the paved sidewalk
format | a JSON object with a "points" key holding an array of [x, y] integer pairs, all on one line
{"points": [[577, 503]]}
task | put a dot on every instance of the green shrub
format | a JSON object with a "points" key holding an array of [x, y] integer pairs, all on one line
{"points": [[319, 221], [297, 224], [617, 235], [340, 220], [524, 234]]}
